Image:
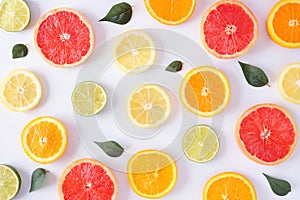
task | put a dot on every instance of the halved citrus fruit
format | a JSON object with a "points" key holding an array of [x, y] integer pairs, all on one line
{"points": [[229, 185], [170, 12], [267, 134], [148, 106], [44, 139], [10, 182], [20, 90], [228, 29], [283, 23], [64, 37], [151, 173], [134, 51], [205, 91], [87, 179]]}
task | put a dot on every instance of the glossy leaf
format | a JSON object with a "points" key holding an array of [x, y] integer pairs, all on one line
{"points": [[111, 148], [278, 186], [174, 66], [120, 14], [37, 179], [19, 51]]}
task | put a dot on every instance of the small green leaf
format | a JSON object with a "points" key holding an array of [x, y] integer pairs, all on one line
{"points": [[120, 14], [254, 75], [278, 186], [19, 51], [37, 178], [174, 66], [111, 148]]}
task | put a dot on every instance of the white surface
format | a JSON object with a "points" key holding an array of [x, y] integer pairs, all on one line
{"points": [[59, 83]]}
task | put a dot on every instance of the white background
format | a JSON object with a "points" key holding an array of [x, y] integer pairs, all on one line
{"points": [[58, 85]]}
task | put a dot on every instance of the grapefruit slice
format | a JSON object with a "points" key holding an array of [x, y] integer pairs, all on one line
{"points": [[64, 37], [228, 29], [267, 134], [87, 179]]}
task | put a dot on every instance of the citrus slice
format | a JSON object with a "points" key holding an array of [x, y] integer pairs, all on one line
{"points": [[289, 83], [267, 134], [87, 179], [44, 139], [88, 98], [151, 173], [205, 91], [10, 182], [14, 15], [64, 37], [283, 23], [228, 29], [200, 143], [134, 51], [229, 185], [20, 90], [170, 12], [148, 106]]}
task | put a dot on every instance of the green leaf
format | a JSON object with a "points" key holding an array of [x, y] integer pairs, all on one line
{"points": [[174, 66], [111, 148], [254, 75], [37, 179], [278, 186], [19, 51], [120, 14]]}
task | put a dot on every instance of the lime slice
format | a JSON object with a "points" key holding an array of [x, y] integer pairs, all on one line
{"points": [[88, 98], [10, 182], [14, 15], [200, 143]]}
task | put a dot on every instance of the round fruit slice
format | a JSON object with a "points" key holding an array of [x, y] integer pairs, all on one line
{"points": [[10, 182], [200, 144], [289, 83], [170, 12], [151, 173], [87, 179], [283, 23], [205, 91], [20, 90], [14, 15], [148, 106], [267, 134], [88, 98], [64, 37], [228, 29], [134, 51], [229, 185], [44, 139]]}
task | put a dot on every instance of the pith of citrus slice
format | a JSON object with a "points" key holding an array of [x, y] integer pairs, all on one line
{"points": [[10, 182], [64, 37], [170, 12], [205, 91], [148, 106], [44, 139], [229, 185], [289, 83], [14, 15], [151, 173], [134, 51], [87, 179], [20, 90], [228, 29], [283, 23], [267, 134]]}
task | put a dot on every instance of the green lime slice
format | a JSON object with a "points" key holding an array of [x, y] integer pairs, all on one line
{"points": [[10, 182], [200, 144], [88, 98], [14, 15]]}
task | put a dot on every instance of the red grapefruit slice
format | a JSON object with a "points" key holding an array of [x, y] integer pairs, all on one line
{"points": [[64, 37], [267, 134], [89, 180], [228, 29]]}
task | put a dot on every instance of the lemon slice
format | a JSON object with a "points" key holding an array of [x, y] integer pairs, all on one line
{"points": [[10, 182], [200, 143], [134, 51], [148, 106], [14, 15], [20, 90]]}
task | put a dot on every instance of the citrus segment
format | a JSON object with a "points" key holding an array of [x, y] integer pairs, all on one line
{"points": [[10, 182]]}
